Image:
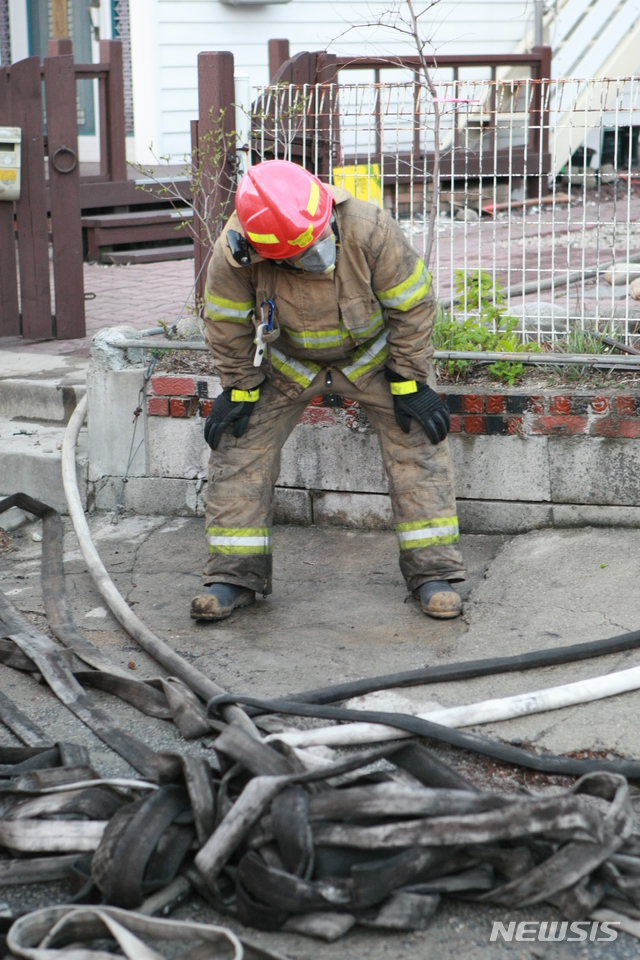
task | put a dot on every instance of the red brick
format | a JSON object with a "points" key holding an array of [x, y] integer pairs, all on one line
{"points": [[205, 407], [537, 404], [472, 403], [514, 425], [560, 405], [626, 406], [348, 403], [600, 405], [617, 428], [179, 407], [474, 424], [494, 403], [316, 401], [315, 414], [172, 386], [455, 423], [559, 424], [158, 407]]}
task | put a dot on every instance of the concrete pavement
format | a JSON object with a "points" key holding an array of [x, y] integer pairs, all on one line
{"points": [[338, 612]]}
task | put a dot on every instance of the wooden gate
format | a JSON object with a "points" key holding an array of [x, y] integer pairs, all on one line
{"points": [[50, 199]]}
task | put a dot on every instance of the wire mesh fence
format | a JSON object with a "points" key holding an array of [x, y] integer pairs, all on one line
{"points": [[536, 213]]}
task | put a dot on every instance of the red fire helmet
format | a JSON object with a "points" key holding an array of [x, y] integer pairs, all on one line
{"points": [[282, 207]]}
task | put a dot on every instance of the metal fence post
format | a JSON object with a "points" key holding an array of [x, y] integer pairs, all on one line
{"points": [[9, 305], [31, 208], [216, 148], [64, 189]]}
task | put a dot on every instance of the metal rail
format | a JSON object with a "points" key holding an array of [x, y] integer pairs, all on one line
{"points": [[541, 359]]}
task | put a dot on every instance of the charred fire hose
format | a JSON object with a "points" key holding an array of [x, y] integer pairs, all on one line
{"points": [[374, 839]]}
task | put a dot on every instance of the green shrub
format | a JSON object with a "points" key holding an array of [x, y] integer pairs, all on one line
{"points": [[491, 332]]}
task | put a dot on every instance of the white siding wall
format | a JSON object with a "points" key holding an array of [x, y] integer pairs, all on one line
{"points": [[186, 27]]}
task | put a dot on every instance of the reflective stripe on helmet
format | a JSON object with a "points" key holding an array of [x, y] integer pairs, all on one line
{"points": [[217, 308], [262, 237], [240, 540], [301, 373], [366, 357], [314, 199], [427, 533], [406, 294]]}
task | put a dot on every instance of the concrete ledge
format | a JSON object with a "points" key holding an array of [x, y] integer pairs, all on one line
{"points": [[502, 516]]}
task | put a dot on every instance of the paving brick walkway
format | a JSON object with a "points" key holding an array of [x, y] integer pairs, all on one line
{"points": [[141, 295]]}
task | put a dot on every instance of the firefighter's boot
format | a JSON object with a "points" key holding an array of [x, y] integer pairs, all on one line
{"points": [[438, 599], [220, 600]]}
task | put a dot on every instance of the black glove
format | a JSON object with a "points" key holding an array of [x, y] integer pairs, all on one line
{"points": [[423, 404], [229, 408]]}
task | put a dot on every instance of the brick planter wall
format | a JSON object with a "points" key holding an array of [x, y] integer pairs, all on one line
{"points": [[521, 461]]}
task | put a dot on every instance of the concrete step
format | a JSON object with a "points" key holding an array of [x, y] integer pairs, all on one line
{"points": [[50, 400], [30, 461]]}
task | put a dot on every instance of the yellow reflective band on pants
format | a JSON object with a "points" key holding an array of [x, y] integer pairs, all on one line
{"points": [[427, 533], [406, 294], [240, 541], [302, 373], [366, 357]]}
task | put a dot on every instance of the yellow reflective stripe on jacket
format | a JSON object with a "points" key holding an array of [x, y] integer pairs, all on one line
{"points": [[365, 357], [317, 339], [302, 373], [375, 322], [406, 294], [217, 308], [427, 533], [240, 541]]}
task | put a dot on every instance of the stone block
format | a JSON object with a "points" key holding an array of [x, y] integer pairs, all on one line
{"points": [[500, 468], [176, 447], [365, 511], [292, 506], [112, 397], [500, 516], [151, 496], [595, 471], [332, 457]]}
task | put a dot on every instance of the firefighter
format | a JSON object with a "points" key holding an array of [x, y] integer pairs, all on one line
{"points": [[309, 292]]}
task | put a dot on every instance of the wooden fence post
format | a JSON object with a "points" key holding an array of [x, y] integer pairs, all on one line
{"points": [[35, 296], [59, 47], [278, 54], [216, 120], [9, 305], [64, 189], [111, 53]]}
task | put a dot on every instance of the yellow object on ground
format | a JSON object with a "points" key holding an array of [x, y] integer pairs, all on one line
{"points": [[362, 181]]}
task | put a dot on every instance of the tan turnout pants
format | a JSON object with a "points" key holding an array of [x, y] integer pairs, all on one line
{"points": [[243, 472]]}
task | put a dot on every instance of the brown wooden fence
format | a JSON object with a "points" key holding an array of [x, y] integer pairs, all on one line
{"points": [[50, 197], [315, 72]]}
